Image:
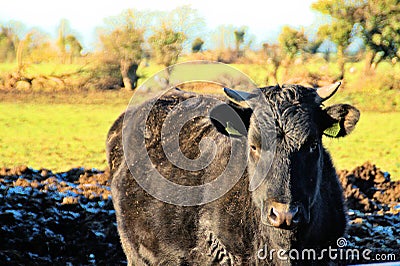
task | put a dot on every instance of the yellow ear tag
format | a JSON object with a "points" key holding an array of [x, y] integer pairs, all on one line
{"points": [[332, 131], [231, 130]]}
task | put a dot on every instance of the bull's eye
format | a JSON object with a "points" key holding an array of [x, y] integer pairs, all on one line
{"points": [[313, 146]]}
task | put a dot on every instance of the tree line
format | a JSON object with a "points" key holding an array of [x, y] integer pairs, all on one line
{"points": [[130, 38]]}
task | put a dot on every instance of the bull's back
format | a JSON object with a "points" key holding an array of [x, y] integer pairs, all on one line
{"points": [[153, 232]]}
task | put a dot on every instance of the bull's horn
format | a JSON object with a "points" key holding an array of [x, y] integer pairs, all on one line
{"points": [[239, 97], [328, 91]]}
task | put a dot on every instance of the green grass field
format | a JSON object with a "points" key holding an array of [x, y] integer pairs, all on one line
{"points": [[41, 133], [56, 137], [376, 139], [60, 130]]}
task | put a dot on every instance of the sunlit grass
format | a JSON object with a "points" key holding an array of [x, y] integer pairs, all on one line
{"points": [[57, 137], [52, 69], [59, 130], [376, 139], [65, 135], [42, 68], [7, 67]]}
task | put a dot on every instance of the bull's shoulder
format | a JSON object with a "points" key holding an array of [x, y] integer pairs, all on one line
{"points": [[159, 121], [177, 113], [114, 150]]}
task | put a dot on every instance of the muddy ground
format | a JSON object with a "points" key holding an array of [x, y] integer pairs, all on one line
{"points": [[67, 218]]}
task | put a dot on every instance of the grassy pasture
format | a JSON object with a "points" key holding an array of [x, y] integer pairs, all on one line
{"points": [[375, 139], [40, 133], [54, 136], [60, 130]]}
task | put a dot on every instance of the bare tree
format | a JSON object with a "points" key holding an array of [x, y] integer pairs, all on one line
{"points": [[67, 42], [124, 45], [166, 46], [292, 42], [8, 44], [239, 40], [273, 58], [186, 20]]}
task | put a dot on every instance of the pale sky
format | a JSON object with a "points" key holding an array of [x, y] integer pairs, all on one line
{"points": [[263, 18]]}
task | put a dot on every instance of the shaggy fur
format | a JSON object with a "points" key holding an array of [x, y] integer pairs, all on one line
{"points": [[232, 229]]}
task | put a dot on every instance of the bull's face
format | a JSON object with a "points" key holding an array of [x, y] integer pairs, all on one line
{"points": [[285, 162], [285, 152]]}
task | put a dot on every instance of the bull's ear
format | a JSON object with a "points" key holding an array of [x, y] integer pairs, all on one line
{"points": [[231, 119], [341, 120], [241, 98]]}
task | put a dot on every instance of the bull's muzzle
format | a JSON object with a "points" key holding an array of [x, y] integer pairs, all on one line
{"points": [[282, 215]]}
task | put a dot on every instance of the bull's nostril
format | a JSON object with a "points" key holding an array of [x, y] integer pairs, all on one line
{"points": [[273, 214], [275, 217], [295, 216], [284, 217]]}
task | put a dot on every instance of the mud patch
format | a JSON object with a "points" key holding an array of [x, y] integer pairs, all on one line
{"points": [[57, 218], [68, 218], [373, 203]]}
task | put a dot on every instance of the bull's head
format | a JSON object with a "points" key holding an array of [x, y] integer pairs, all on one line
{"points": [[284, 129]]}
